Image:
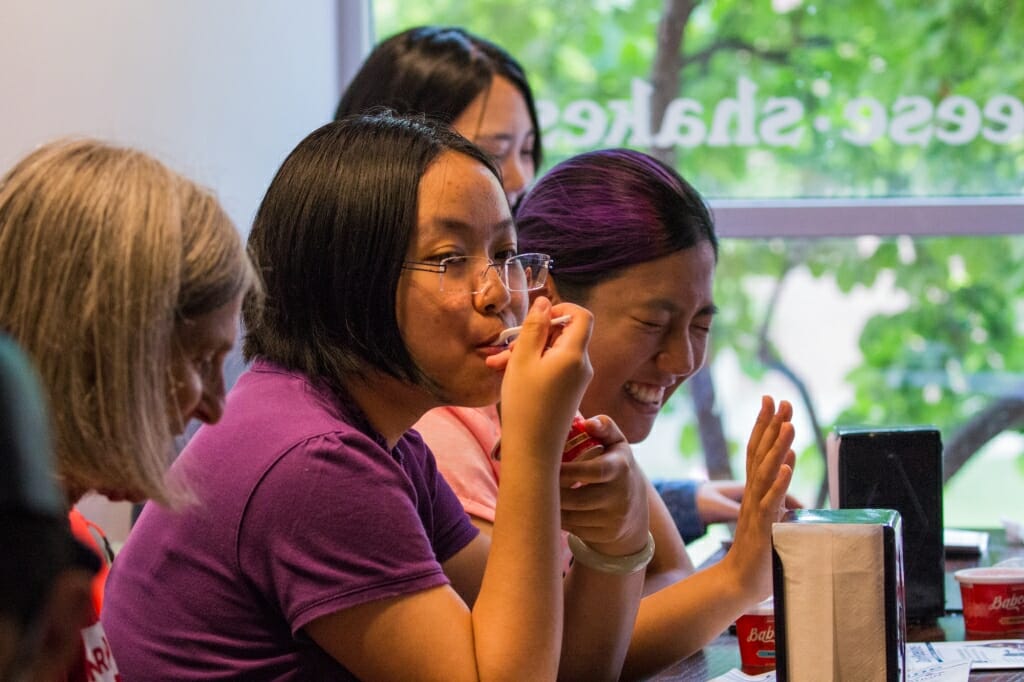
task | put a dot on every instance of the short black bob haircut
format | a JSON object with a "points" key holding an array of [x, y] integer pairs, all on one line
{"points": [[436, 71], [329, 239]]}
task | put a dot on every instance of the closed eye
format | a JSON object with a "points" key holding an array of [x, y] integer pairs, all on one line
{"points": [[497, 151], [650, 324], [703, 323]]}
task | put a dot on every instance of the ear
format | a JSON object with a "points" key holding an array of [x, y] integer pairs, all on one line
{"points": [[549, 290]]}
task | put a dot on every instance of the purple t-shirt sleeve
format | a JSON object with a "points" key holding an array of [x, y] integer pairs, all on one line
{"points": [[452, 529], [364, 525]]}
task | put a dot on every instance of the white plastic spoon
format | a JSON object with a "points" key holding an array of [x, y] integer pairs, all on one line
{"points": [[513, 332]]}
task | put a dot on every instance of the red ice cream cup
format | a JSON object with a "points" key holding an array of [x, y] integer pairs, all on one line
{"points": [[755, 631], [579, 442], [993, 600]]}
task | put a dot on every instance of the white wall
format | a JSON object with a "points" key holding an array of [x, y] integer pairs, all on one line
{"points": [[220, 90]]}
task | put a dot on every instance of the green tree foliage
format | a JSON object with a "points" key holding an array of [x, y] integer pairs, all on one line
{"points": [[955, 347]]}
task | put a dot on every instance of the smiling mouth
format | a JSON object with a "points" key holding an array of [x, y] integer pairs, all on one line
{"points": [[645, 393]]}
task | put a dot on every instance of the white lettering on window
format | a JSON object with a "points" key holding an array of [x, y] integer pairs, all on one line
{"points": [[964, 116]]}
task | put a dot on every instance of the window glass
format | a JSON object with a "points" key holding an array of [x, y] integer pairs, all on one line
{"points": [[869, 102], [774, 99]]}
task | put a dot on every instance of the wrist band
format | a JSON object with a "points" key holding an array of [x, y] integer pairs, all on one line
{"points": [[616, 565]]}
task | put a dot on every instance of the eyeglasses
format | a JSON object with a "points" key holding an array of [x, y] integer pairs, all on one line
{"points": [[468, 274]]}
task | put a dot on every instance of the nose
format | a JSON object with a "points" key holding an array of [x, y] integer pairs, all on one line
{"points": [[679, 356], [515, 176], [492, 295], [211, 406]]}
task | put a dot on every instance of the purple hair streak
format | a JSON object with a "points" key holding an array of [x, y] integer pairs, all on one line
{"points": [[602, 211]]}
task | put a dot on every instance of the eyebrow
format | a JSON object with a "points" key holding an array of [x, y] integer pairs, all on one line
{"points": [[670, 307], [462, 227], [502, 136]]}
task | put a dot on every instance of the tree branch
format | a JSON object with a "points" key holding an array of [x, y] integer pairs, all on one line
{"points": [[780, 56], [709, 423], [665, 79], [1005, 413], [770, 357], [667, 67]]}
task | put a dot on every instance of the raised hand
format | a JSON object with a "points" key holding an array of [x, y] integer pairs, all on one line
{"points": [[770, 460]]}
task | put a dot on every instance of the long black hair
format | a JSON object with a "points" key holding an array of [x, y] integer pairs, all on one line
{"points": [[436, 71]]}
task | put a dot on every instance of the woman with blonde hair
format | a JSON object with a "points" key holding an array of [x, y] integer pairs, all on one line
{"points": [[123, 282]]}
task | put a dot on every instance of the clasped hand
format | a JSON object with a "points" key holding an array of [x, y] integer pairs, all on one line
{"points": [[604, 494]]}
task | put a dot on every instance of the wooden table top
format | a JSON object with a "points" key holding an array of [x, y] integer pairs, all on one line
{"points": [[723, 653]]}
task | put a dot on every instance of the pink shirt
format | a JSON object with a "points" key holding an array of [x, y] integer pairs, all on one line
{"points": [[463, 440]]}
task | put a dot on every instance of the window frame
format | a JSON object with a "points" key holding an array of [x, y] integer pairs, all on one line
{"points": [[913, 216]]}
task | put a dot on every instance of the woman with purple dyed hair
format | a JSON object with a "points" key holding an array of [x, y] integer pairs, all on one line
{"points": [[635, 243], [632, 241]]}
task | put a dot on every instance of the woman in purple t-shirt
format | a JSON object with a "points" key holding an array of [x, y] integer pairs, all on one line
{"points": [[323, 542]]}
